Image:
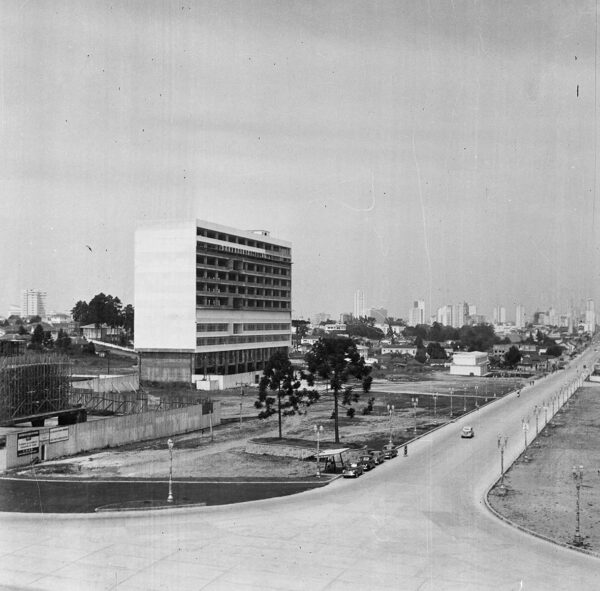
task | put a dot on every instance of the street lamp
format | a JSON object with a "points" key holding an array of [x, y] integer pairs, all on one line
{"points": [[435, 397], [318, 429], [170, 444], [545, 412], [390, 408], [465, 400], [476, 396], [525, 425], [451, 395], [502, 441], [415, 402], [578, 477], [536, 412]]}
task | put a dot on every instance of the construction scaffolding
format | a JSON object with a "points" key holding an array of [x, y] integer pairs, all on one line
{"points": [[33, 384]]}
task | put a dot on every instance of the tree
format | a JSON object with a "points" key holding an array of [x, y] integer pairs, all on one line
{"points": [[128, 318], [436, 351], [477, 338], [301, 327], [336, 360], [512, 356], [37, 338], [63, 341], [80, 312], [279, 377], [22, 330], [34, 319], [554, 350]]}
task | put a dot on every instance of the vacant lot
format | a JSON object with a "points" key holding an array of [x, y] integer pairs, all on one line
{"points": [[541, 492], [201, 454]]}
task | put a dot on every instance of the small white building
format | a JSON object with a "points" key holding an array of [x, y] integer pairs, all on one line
{"points": [[473, 363]]}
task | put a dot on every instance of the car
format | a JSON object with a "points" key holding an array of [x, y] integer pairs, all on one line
{"points": [[352, 470], [389, 451], [368, 463], [467, 432], [377, 456]]}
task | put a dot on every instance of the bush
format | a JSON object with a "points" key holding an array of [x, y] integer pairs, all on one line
{"points": [[350, 412], [88, 349]]}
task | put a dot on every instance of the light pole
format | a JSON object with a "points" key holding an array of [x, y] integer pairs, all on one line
{"points": [[502, 441], [465, 400], [415, 402], [170, 445], [536, 412], [545, 412], [451, 395], [390, 408], [578, 477], [318, 429], [476, 396], [435, 396], [525, 429]]}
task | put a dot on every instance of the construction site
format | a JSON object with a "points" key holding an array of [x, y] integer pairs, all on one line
{"points": [[46, 412]]}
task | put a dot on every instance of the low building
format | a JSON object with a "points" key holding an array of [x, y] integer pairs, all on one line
{"points": [[473, 363]]}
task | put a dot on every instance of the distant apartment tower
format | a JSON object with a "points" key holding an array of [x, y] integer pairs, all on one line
{"points": [[320, 317], [590, 316], [359, 303], [461, 311], [380, 314], [416, 314], [212, 303], [499, 315], [445, 315], [33, 303], [520, 316], [472, 309]]}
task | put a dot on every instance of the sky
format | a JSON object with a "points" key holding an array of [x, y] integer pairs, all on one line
{"points": [[441, 150]]}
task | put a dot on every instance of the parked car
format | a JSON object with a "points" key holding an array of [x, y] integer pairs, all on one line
{"points": [[367, 462], [352, 470], [389, 451], [467, 432], [377, 456]]}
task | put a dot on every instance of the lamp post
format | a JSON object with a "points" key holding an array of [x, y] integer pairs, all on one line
{"points": [[465, 400], [170, 445], [578, 477], [390, 408], [415, 402], [476, 396], [536, 412], [318, 429], [502, 441], [435, 396], [451, 395], [525, 426], [545, 412]]}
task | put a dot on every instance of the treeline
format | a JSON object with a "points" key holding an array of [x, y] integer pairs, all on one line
{"points": [[479, 337]]}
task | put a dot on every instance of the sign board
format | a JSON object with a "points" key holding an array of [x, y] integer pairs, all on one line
{"points": [[59, 434], [28, 443], [44, 436]]}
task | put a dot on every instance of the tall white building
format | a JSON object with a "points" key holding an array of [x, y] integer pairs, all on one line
{"points": [[33, 303], [212, 303], [359, 303], [461, 311], [590, 316], [445, 315], [520, 316], [416, 314], [499, 315]]}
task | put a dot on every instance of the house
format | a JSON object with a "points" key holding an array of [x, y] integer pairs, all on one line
{"points": [[399, 350], [101, 332]]}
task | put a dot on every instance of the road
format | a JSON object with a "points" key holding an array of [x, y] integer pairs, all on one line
{"points": [[415, 523]]}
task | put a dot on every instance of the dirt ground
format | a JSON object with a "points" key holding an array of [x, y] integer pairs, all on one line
{"points": [[198, 454], [542, 492]]}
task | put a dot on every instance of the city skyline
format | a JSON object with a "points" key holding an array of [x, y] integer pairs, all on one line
{"points": [[440, 151]]}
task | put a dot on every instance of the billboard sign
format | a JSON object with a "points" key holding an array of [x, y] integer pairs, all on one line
{"points": [[59, 434], [28, 443]]}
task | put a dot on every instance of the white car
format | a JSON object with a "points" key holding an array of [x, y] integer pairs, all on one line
{"points": [[467, 432]]}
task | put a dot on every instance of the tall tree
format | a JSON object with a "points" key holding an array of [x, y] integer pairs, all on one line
{"points": [[280, 378], [512, 356], [336, 360], [80, 312], [37, 338]]}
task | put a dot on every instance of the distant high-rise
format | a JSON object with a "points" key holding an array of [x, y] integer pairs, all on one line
{"points": [[590, 316], [33, 303], [499, 315], [461, 311], [445, 315], [472, 310], [416, 314], [359, 303], [520, 316]]}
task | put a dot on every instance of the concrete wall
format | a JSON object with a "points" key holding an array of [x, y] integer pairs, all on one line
{"points": [[111, 432], [166, 366], [110, 383], [218, 382]]}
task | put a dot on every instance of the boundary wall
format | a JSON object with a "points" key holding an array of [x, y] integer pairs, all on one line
{"points": [[46, 443]]}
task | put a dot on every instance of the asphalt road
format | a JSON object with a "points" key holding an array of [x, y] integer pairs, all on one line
{"points": [[47, 495], [416, 523]]}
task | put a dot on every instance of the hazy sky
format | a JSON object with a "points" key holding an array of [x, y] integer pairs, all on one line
{"points": [[440, 150]]}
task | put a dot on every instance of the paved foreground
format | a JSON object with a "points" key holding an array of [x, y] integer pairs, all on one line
{"points": [[414, 523]]}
